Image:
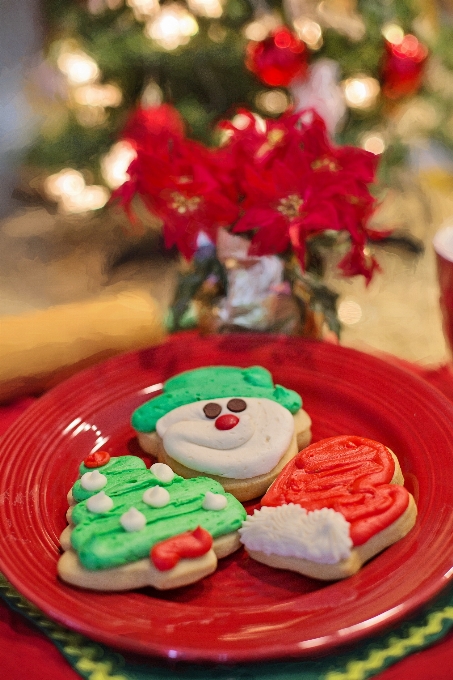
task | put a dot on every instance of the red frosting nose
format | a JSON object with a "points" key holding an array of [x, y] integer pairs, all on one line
{"points": [[226, 422]]}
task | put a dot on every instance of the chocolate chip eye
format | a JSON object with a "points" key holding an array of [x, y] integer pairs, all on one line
{"points": [[212, 410], [236, 405]]}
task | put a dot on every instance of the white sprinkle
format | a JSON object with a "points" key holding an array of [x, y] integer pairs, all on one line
{"points": [[133, 520], [163, 472], [156, 497], [99, 503], [214, 501], [93, 481]]}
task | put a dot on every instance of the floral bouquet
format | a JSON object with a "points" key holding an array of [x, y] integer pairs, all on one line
{"points": [[251, 216]]}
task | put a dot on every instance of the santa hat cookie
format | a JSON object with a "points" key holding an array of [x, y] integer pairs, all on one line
{"points": [[231, 424], [130, 526], [338, 503]]}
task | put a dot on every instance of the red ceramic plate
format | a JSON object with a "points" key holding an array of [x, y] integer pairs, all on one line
{"points": [[245, 611]]}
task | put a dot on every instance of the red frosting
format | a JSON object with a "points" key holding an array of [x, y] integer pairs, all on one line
{"points": [[349, 474], [96, 459], [166, 554]]}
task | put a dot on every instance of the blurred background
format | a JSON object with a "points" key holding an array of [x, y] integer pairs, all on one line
{"points": [[380, 72]]}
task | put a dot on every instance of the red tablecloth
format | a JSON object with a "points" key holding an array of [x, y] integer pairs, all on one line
{"points": [[26, 653]]}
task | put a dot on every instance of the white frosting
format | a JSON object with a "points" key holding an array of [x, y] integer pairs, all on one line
{"points": [[163, 472], [156, 497], [290, 531], [93, 481], [100, 502], [253, 447], [133, 520], [214, 501]]}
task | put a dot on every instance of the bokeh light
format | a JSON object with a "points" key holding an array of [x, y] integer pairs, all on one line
{"points": [[393, 33], [174, 26], [260, 28], [98, 95], [68, 189], [115, 163], [272, 102], [143, 9], [309, 31], [374, 142], [361, 91], [206, 8], [78, 67], [349, 312]]}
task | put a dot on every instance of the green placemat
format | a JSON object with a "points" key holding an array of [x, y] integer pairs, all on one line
{"points": [[98, 662]]}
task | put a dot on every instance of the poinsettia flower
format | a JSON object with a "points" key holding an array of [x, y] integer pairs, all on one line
{"points": [[282, 180], [261, 140], [282, 207], [287, 202], [189, 206], [350, 161], [179, 185], [356, 167], [157, 134], [297, 139]]}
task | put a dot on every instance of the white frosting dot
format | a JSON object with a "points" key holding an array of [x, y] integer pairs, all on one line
{"points": [[214, 501], [133, 520], [93, 481], [100, 502], [156, 497], [163, 472]]}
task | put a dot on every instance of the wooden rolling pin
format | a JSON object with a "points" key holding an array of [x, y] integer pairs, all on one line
{"points": [[41, 348]]}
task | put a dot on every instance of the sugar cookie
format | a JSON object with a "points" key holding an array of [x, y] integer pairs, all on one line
{"points": [[231, 424], [338, 503], [145, 527]]}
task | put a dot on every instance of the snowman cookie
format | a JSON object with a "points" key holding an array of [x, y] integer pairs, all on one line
{"points": [[131, 527], [230, 424], [338, 503]]}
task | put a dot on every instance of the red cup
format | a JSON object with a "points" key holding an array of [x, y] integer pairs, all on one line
{"points": [[443, 246]]}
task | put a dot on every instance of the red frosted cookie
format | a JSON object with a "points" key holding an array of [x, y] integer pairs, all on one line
{"points": [[333, 506]]}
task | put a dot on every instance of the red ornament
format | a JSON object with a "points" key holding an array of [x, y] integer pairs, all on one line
{"points": [[97, 459], [147, 127], [278, 59], [403, 66]]}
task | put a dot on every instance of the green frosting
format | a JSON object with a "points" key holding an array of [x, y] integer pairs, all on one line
{"points": [[101, 541], [212, 382]]}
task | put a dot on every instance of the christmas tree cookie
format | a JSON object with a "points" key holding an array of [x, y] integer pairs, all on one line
{"points": [[338, 503], [130, 526], [230, 424]]}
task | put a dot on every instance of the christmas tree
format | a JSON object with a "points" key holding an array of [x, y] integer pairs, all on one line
{"points": [[380, 73], [195, 107]]}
